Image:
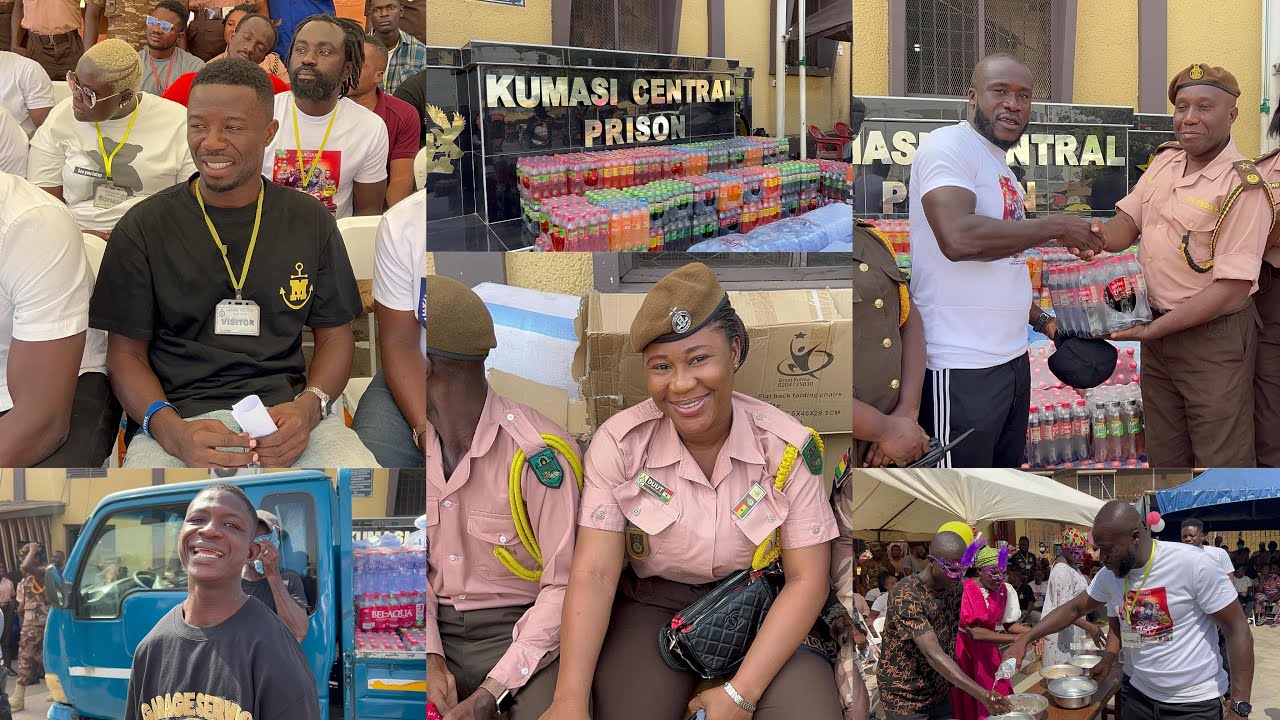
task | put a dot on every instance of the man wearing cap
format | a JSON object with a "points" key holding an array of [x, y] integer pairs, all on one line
{"points": [[888, 358], [493, 592], [1203, 213], [1266, 379], [969, 233], [279, 589]]}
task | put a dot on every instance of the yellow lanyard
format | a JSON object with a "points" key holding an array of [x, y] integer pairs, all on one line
{"points": [[253, 240], [297, 139], [1128, 605], [106, 159]]}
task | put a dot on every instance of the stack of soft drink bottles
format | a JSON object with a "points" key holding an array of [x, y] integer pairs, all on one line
{"points": [[390, 588], [897, 232], [1097, 298], [837, 180], [572, 224]]}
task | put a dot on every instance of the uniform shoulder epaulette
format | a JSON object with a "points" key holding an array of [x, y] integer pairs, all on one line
{"points": [[778, 422], [1171, 145], [1250, 178], [1266, 156]]}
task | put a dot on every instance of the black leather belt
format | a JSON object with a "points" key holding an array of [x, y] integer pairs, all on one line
{"points": [[51, 40]]}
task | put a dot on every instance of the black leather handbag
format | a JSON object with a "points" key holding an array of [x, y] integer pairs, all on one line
{"points": [[711, 637]]}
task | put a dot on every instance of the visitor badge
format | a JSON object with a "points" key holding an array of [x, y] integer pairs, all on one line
{"points": [[1130, 639], [109, 195], [237, 317]]}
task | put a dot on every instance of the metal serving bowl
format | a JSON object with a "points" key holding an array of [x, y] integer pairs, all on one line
{"points": [[1086, 661], [1011, 716], [1053, 672], [1073, 693], [1036, 706]]}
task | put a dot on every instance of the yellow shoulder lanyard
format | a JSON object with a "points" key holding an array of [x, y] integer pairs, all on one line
{"points": [[238, 285], [524, 528], [1130, 606], [771, 549], [297, 140], [106, 159]]}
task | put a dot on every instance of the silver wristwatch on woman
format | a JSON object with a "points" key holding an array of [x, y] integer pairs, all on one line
{"points": [[737, 698]]}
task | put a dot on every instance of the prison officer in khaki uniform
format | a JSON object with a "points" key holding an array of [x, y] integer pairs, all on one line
{"points": [[1266, 380], [500, 536], [684, 486], [888, 358], [1203, 214]]}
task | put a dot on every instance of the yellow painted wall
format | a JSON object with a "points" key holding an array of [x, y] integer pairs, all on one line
{"points": [[1106, 68], [431, 264], [564, 273], [457, 22], [871, 47], [1228, 35], [693, 29]]}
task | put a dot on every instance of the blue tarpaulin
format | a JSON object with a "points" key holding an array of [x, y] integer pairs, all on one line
{"points": [[1220, 486]]}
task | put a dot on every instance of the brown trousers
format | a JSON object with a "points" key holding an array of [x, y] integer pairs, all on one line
{"points": [[204, 37], [1197, 394], [634, 683], [57, 55], [6, 22], [1266, 380], [474, 641]]}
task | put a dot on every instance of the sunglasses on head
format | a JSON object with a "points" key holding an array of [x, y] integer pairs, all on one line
{"points": [[164, 25], [953, 570]]}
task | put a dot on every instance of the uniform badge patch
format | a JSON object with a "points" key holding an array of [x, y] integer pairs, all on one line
{"points": [[749, 501], [812, 456], [547, 468], [681, 322], [637, 543], [654, 488]]}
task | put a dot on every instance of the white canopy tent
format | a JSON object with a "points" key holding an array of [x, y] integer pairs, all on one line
{"points": [[913, 504]]}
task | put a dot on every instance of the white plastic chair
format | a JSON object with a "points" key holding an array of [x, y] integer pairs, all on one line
{"points": [[61, 91], [94, 248], [358, 235], [354, 391], [420, 169]]}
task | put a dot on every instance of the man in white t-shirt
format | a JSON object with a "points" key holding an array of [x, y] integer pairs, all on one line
{"points": [[1193, 535], [144, 137], [56, 406], [343, 146], [13, 146], [969, 279], [392, 416], [25, 90], [1170, 600]]}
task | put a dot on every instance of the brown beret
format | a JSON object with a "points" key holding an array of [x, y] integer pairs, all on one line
{"points": [[458, 324], [1199, 74], [677, 306]]}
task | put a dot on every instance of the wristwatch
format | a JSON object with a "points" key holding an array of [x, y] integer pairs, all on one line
{"points": [[1042, 322], [325, 402], [1241, 708], [737, 698], [501, 695]]}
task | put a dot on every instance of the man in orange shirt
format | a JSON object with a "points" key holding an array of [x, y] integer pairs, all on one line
{"points": [[1201, 266], [1266, 380], [494, 598]]}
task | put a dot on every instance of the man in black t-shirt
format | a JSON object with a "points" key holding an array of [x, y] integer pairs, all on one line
{"points": [[205, 290], [279, 589], [414, 91], [220, 653], [1026, 596]]}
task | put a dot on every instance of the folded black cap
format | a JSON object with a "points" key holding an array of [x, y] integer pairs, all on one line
{"points": [[1082, 362]]}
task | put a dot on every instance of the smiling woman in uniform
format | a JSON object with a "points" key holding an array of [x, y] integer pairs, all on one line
{"points": [[691, 486]]}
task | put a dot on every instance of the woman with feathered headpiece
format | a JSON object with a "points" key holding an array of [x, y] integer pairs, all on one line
{"points": [[1067, 580], [986, 619]]}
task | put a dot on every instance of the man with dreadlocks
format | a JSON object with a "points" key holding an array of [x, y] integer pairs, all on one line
{"points": [[328, 145], [984, 622]]}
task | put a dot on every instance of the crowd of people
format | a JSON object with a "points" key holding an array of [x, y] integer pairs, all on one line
{"points": [[950, 354], [940, 614], [180, 172]]}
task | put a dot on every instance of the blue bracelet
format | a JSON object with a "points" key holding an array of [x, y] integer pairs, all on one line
{"points": [[146, 419]]}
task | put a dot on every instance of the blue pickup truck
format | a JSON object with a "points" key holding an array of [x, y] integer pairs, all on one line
{"points": [[123, 575]]}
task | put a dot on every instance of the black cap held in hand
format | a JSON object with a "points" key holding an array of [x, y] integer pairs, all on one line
{"points": [[1082, 362]]}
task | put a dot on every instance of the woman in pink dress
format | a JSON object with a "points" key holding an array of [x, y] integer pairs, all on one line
{"points": [[982, 626]]}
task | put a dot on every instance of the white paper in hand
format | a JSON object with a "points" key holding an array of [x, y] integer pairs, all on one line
{"points": [[253, 417]]}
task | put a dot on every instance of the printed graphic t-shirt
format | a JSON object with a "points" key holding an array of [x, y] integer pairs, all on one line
{"points": [[908, 684], [356, 152], [1178, 661], [64, 151], [975, 313], [250, 661]]}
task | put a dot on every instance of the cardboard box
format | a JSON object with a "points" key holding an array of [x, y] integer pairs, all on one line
{"points": [[800, 359]]}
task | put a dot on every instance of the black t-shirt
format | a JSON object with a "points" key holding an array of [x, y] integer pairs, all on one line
{"points": [[414, 91], [261, 589], [1026, 598], [250, 660], [162, 277]]}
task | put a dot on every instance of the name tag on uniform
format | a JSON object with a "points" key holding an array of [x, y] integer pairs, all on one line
{"points": [[237, 317], [109, 195], [650, 485]]}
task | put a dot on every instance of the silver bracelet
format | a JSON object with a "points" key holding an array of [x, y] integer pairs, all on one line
{"points": [[737, 698]]}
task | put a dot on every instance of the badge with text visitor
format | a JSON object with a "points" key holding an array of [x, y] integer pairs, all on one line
{"points": [[316, 176]]}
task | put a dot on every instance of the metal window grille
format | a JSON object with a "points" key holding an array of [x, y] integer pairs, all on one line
{"points": [[1102, 487], [631, 25], [943, 42]]}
